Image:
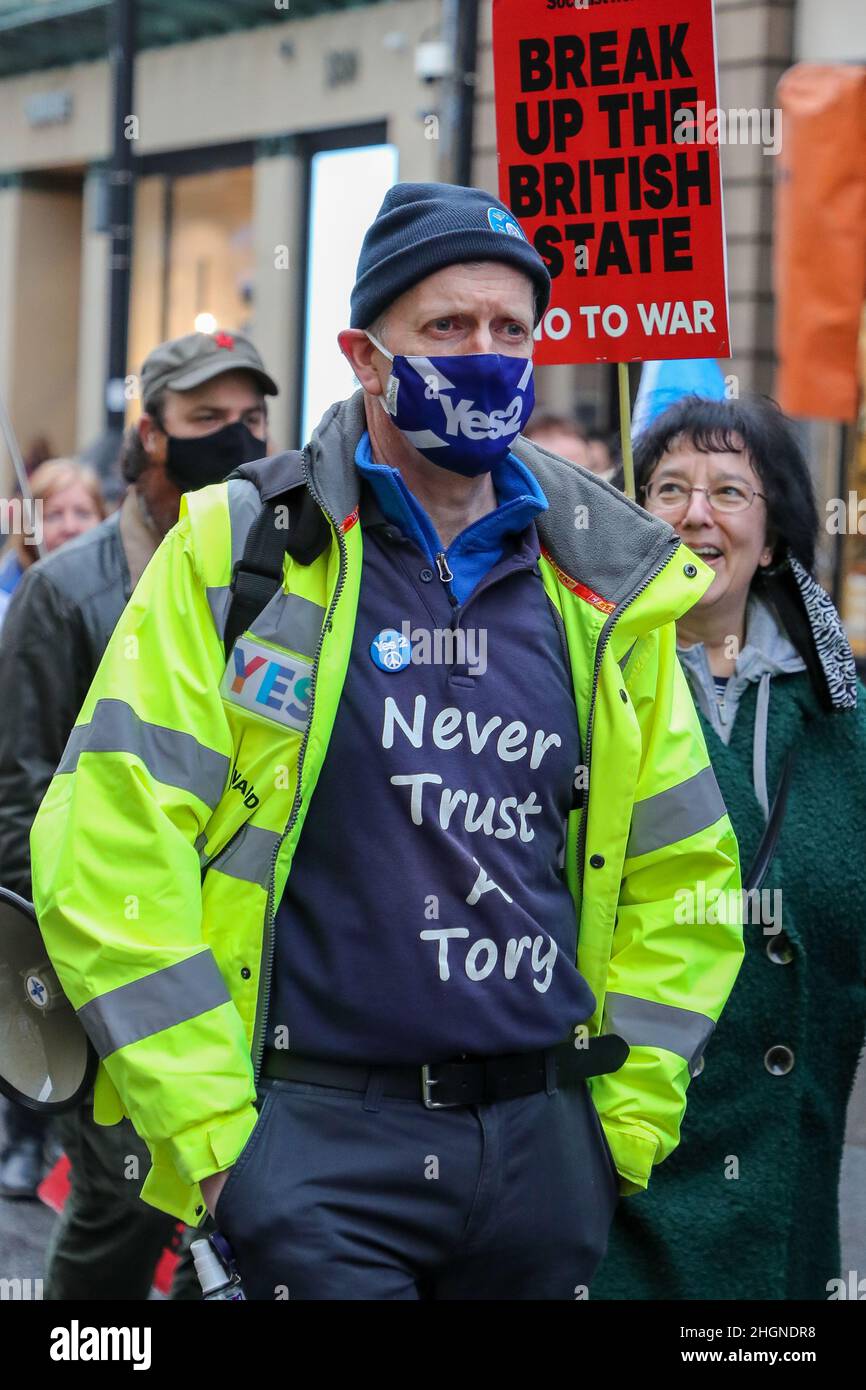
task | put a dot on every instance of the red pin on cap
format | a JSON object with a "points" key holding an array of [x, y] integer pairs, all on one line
{"points": [[190, 361]]}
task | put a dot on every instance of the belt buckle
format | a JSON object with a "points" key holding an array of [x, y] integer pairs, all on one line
{"points": [[426, 1082]]}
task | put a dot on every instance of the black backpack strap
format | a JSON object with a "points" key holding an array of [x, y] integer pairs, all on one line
{"points": [[770, 838], [257, 575], [291, 522]]}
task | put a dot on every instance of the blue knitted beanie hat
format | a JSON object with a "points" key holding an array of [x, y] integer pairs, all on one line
{"points": [[422, 227]]}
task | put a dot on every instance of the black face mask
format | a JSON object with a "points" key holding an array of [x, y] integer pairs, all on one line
{"points": [[194, 463]]}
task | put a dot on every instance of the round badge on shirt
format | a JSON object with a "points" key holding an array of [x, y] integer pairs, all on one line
{"points": [[391, 650]]}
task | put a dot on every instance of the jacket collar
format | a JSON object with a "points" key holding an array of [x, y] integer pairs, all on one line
{"points": [[619, 546], [597, 536], [139, 537]]}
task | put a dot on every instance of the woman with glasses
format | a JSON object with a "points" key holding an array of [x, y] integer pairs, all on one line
{"points": [[747, 1206]]}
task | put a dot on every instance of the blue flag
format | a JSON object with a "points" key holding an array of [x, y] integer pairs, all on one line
{"points": [[664, 383]]}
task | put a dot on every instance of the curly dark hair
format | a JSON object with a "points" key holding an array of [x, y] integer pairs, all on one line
{"points": [[756, 425], [134, 458]]}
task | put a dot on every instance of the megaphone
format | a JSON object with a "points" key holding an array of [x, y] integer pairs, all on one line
{"points": [[47, 1061]]}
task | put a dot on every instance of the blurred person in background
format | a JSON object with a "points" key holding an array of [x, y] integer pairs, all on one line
{"points": [[204, 414], [747, 1206], [40, 451], [565, 436], [603, 453], [560, 435], [71, 503], [103, 455]]}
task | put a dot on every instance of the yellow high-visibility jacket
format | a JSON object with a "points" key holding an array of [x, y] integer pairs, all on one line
{"points": [[164, 842]]}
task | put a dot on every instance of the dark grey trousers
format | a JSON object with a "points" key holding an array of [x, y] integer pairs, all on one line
{"points": [[107, 1242], [340, 1195]]}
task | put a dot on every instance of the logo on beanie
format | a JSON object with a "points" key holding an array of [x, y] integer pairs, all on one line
{"points": [[502, 221]]}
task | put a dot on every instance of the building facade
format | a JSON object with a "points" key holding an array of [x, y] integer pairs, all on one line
{"points": [[263, 142]]}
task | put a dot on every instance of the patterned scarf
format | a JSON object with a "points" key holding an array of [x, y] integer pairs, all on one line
{"points": [[831, 643]]}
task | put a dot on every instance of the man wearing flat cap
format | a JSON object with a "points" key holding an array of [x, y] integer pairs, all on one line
{"points": [[203, 414], [407, 1003]]}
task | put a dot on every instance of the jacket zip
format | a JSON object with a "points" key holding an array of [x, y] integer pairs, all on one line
{"points": [[444, 568], [444, 571], [341, 579], [606, 634], [259, 1041]]}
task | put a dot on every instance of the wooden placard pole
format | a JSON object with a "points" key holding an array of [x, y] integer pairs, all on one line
{"points": [[625, 429]]}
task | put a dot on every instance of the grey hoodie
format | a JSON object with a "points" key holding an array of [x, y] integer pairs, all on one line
{"points": [[767, 652]]}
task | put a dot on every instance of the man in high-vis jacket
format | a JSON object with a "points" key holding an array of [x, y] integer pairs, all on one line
{"points": [[362, 912]]}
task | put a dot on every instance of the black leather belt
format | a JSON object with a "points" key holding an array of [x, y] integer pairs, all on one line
{"points": [[469, 1081]]}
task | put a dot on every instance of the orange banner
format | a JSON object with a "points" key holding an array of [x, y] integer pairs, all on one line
{"points": [[820, 239]]}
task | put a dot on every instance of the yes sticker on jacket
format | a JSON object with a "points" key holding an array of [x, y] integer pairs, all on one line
{"points": [[269, 683]]}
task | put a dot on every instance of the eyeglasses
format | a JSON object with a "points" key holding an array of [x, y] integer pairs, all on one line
{"points": [[669, 496]]}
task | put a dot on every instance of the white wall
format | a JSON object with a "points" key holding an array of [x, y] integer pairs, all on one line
{"points": [[242, 86], [831, 31]]}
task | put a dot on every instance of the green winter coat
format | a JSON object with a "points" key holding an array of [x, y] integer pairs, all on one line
{"points": [[747, 1205]]}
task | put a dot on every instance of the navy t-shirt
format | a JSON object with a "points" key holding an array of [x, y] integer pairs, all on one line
{"points": [[426, 914]]}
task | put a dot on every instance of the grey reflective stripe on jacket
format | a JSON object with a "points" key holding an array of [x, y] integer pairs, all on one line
{"points": [[673, 815], [643, 1023], [291, 621], [176, 759], [158, 1001], [248, 855]]}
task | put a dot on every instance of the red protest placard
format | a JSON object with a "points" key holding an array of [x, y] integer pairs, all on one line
{"points": [[605, 161]]}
